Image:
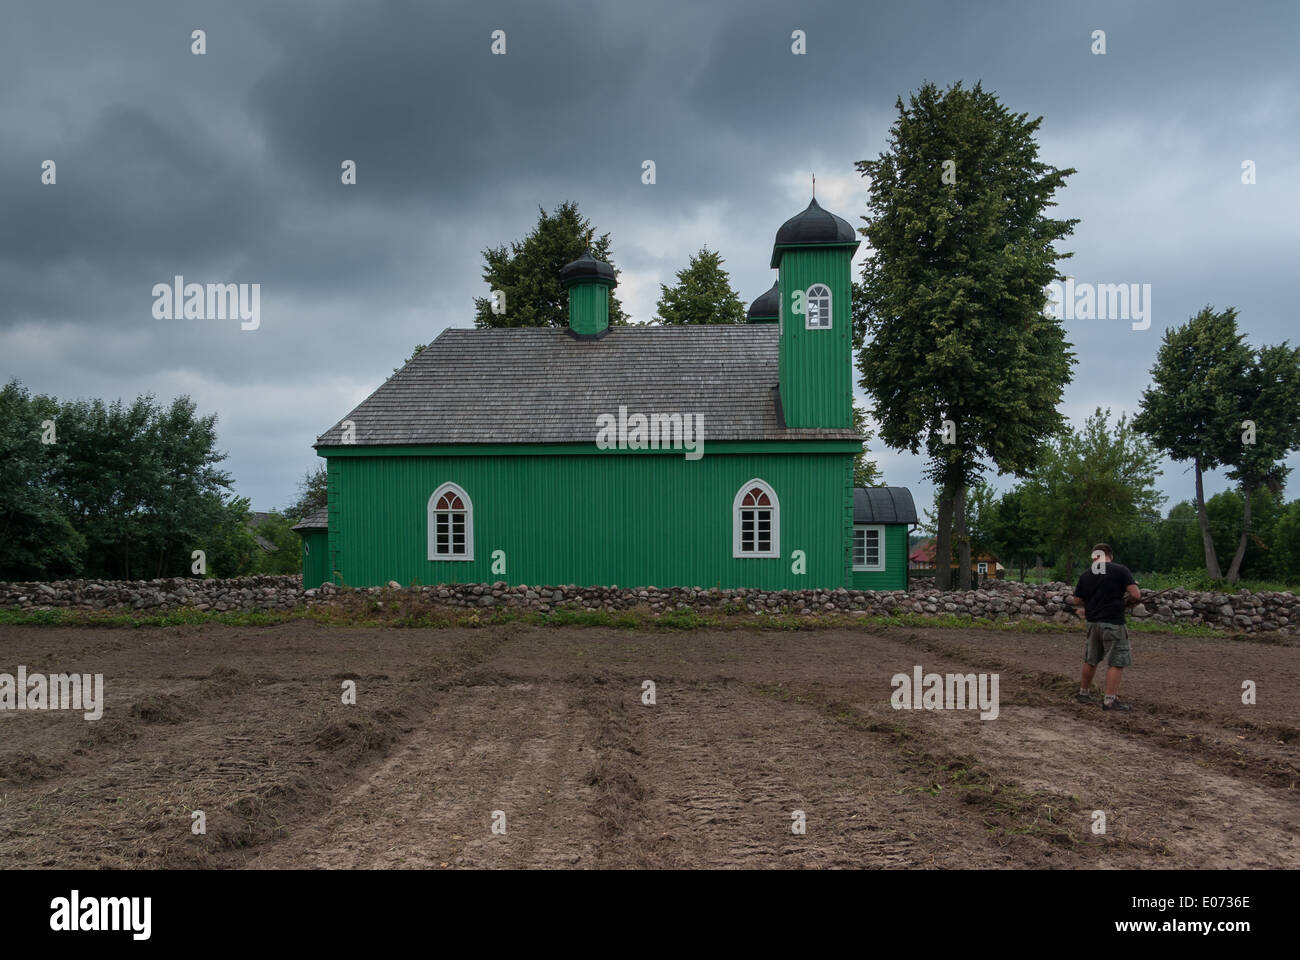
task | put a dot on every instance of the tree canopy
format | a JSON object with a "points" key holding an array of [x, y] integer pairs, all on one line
{"points": [[702, 294], [952, 316], [527, 272]]}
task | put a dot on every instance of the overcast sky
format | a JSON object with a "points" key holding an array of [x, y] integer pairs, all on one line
{"points": [[226, 168]]}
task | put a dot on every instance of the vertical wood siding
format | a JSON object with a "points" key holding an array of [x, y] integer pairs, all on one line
{"points": [[630, 519]]}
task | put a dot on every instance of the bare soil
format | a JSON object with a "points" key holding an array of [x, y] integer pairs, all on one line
{"points": [[547, 726]]}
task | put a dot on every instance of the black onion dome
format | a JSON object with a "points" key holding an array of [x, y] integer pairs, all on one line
{"points": [[814, 225], [587, 269], [766, 306]]}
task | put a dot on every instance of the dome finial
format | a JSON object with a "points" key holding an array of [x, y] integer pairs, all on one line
{"points": [[814, 176]]}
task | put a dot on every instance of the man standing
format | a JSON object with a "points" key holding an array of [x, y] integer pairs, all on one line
{"points": [[1104, 590]]}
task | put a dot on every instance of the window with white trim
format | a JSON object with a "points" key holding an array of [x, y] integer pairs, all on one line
{"points": [[868, 548], [982, 567], [756, 521], [451, 524], [817, 307]]}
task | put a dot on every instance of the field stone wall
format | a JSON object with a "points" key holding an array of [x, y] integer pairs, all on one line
{"points": [[995, 600]]}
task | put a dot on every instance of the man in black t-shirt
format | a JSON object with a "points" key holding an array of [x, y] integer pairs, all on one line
{"points": [[1105, 589]]}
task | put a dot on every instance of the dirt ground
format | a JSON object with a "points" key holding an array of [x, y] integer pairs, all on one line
{"points": [[547, 726]]}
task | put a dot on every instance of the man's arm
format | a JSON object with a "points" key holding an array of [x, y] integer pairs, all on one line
{"points": [[1133, 594]]}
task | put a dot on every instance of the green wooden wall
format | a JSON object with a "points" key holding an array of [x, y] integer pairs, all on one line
{"points": [[894, 576], [649, 519], [817, 365]]}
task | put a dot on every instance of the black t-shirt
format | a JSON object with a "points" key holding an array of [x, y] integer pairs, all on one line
{"points": [[1103, 594]]}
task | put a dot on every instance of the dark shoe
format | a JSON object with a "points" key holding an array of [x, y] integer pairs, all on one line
{"points": [[1117, 705], [1082, 698]]}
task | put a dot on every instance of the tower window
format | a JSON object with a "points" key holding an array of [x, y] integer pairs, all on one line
{"points": [[818, 305], [451, 524], [756, 521]]}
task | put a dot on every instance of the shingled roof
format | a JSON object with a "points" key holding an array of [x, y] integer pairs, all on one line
{"points": [[315, 521], [883, 505], [541, 385]]}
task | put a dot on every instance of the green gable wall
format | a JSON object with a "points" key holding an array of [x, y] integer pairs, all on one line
{"points": [[816, 365], [894, 576], [642, 519]]}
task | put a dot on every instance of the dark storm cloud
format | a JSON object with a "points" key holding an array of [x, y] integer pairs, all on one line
{"points": [[226, 168]]}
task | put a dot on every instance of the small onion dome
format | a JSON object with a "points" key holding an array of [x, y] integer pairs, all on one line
{"points": [[587, 269], [813, 226], [766, 307]]}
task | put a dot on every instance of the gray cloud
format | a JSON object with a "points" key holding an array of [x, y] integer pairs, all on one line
{"points": [[226, 168]]}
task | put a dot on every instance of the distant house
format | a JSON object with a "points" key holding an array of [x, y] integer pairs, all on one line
{"points": [[254, 523], [982, 565]]}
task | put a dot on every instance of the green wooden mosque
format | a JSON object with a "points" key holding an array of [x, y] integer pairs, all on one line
{"points": [[695, 455]]}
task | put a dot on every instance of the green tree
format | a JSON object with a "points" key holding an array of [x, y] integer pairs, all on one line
{"points": [[419, 348], [952, 304], [528, 272], [140, 483], [1091, 485], [1191, 411], [36, 539], [287, 555], [1286, 544], [1012, 531], [1269, 407], [702, 294], [866, 473], [313, 494]]}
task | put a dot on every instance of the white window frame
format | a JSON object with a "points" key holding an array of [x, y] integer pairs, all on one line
{"points": [[775, 549], [879, 565], [982, 566], [432, 524], [807, 313]]}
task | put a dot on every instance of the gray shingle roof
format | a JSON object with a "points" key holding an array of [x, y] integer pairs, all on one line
{"points": [[541, 385], [883, 505], [315, 521]]}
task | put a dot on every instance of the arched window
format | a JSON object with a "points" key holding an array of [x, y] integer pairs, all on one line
{"points": [[756, 521], [818, 306], [451, 524]]}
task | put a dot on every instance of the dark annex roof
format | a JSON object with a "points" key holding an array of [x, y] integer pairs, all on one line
{"points": [[318, 520], [814, 225], [768, 305], [541, 385], [883, 505]]}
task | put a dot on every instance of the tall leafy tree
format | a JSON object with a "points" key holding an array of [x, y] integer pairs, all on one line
{"points": [[1191, 410], [866, 473], [702, 294], [527, 272], [952, 314], [36, 539], [313, 493], [1269, 407], [1091, 485]]}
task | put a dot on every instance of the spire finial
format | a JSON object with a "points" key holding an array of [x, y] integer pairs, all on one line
{"points": [[589, 233], [814, 176]]}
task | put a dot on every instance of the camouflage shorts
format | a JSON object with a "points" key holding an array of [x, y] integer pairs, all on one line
{"points": [[1110, 640]]}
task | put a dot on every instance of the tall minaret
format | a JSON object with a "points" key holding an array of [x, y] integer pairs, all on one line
{"points": [[813, 254]]}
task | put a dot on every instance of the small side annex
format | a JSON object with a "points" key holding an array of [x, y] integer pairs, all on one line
{"points": [[882, 519]]}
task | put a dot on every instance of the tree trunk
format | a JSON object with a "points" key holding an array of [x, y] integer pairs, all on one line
{"points": [[943, 541], [963, 539], [1211, 559], [1234, 571]]}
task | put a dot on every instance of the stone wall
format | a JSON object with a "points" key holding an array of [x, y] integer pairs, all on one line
{"points": [[1241, 611]]}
